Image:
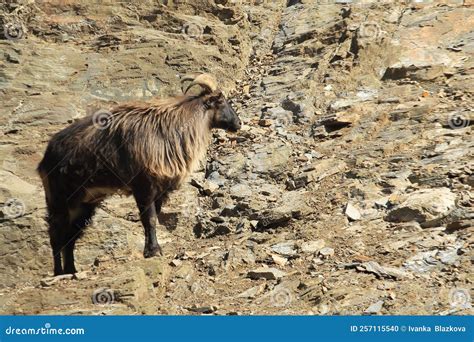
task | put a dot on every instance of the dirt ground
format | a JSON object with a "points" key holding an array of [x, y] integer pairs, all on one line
{"points": [[348, 189]]}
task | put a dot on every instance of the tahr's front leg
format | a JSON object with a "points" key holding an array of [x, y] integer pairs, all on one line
{"points": [[146, 205]]}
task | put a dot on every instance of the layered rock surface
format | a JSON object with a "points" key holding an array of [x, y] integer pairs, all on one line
{"points": [[348, 189]]}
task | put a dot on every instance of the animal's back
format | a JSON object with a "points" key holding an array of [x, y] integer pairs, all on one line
{"points": [[64, 145]]}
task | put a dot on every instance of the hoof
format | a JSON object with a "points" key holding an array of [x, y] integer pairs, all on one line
{"points": [[71, 271], [58, 273], [152, 251]]}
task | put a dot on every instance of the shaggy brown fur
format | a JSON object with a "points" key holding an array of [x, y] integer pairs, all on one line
{"points": [[167, 137]]}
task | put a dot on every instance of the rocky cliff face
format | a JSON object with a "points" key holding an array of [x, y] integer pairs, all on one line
{"points": [[347, 191]]}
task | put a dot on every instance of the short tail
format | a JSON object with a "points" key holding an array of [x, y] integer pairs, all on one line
{"points": [[56, 201]]}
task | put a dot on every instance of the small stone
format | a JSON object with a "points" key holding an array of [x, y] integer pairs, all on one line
{"points": [[229, 210], [252, 292], [284, 248], [203, 309], [303, 158], [381, 203], [352, 212], [209, 188], [265, 122], [312, 246], [389, 100], [375, 307], [326, 251], [216, 230], [334, 121], [81, 275], [315, 263], [254, 224], [281, 117], [279, 260], [176, 262], [12, 57], [449, 256], [196, 183], [218, 219], [360, 258], [397, 245], [240, 191], [319, 132], [216, 178], [273, 218], [268, 273]]}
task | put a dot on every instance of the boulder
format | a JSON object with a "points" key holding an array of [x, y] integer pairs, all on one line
{"points": [[423, 205]]}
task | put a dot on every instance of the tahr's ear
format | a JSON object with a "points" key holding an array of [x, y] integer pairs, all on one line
{"points": [[213, 99]]}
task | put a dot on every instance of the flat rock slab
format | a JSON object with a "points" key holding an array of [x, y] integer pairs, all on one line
{"points": [[384, 271], [268, 273], [285, 248]]}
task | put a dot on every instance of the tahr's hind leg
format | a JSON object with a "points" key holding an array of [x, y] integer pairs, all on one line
{"points": [[57, 225], [80, 217]]}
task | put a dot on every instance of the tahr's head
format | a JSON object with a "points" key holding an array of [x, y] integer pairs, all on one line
{"points": [[221, 112]]}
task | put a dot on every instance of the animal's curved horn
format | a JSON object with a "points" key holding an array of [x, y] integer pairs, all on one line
{"points": [[189, 77], [204, 80]]}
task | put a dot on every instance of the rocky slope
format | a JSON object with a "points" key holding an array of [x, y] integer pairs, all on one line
{"points": [[347, 191]]}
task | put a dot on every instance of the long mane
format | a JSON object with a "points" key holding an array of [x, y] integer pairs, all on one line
{"points": [[169, 137]]}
